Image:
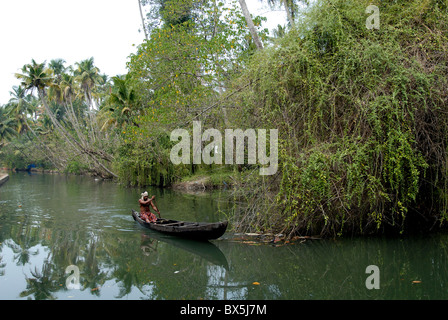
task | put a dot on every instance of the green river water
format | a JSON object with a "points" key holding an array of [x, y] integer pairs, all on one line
{"points": [[50, 224]]}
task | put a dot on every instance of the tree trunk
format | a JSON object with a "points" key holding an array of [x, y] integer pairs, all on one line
{"points": [[288, 14], [88, 97], [76, 145], [251, 25], [51, 156], [143, 19]]}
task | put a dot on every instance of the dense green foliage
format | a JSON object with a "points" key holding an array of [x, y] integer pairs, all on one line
{"points": [[362, 115], [361, 112], [178, 74]]}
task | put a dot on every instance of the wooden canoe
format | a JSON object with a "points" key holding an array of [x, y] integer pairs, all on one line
{"points": [[190, 230], [3, 178]]}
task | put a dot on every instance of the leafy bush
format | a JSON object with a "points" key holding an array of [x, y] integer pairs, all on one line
{"points": [[362, 118]]}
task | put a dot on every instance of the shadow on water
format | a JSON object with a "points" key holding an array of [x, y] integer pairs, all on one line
{"points": [[203, 249]]}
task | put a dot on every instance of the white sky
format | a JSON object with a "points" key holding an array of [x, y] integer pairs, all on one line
{"points": [[75, 30]]}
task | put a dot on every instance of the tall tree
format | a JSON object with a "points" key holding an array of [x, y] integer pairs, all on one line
{"points": [[19, 108], [36, 76], [6, 125], [251, 25], [143, 19], [58, 67], [88, 76], [69, 95], [291, 8], [121, 104]]}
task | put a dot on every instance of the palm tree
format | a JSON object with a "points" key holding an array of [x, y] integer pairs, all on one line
{"points": [[88, 77], [7, 129], [120, 105], [251, 25], [279, 32], [58, 69], [42, 285], [57, 65], [67, 87], [37, 76], [6, 125], [102, 89], [19, 108], [291, 8], [143, 19]]}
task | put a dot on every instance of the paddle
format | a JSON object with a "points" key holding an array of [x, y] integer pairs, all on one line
{"points": [[155, 203]]}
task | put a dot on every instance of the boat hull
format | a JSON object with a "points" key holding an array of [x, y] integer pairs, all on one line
{"points": [[190, 230], [3, 179]]}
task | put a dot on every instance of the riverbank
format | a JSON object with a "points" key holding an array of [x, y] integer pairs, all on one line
{"points": [[205, 182]]}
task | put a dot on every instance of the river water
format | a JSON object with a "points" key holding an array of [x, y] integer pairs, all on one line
{"points": [[50, 224]]}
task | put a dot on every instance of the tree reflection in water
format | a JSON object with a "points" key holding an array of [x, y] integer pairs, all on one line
{"points": [[118, 259], [43, 284]]}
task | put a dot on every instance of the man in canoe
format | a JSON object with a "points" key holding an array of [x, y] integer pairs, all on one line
{"points": [[145, 212]]}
